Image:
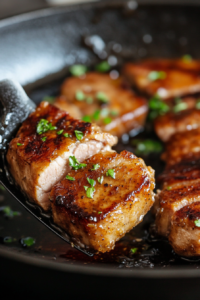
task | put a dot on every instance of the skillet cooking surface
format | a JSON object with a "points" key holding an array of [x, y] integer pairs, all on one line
{"points": [[36, 49]]}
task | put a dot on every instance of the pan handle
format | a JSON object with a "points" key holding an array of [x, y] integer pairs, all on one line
{"points": [[15, 106]]}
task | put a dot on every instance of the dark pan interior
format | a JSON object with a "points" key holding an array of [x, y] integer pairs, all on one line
{"points": [[36, 49]]}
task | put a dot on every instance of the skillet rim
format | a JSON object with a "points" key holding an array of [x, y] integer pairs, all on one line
{"points": [[101, 270]]}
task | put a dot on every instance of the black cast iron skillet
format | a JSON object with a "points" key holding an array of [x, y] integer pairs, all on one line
{"points": [[36, 49]]}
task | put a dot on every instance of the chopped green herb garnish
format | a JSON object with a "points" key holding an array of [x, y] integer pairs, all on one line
{"points": [[92, 182], [105, 112], [66, 135], [187, 58], [8, 212], [44, 138], [18, 144], [99, 212], [169, 188], [197, 223], [89, 100], [144, 147], [87, 119], [44, 125], [107, 120], [198, 104], [86, 187], [134, 250], [49, 99], [114, 113], [2, 188], [28, 241], [180, 106], [96, 115], [80, 96], [8, 239], [111, 173], [95, 167], [73, 162], [60, 131], [78, 70], [70, 178], [155, 75], [101, 96], [103, 67], [157, 107], [78, 134], [90, 192], [100, 179]]}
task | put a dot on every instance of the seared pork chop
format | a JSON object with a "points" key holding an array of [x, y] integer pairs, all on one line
{"points": [[108, 102], [38, 156], [164, 77], [185, 230], [98, 204], [184, 146], [167, 125]]}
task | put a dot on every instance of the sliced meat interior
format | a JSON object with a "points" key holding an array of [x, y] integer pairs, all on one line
{"points": [[38, 157], [108, 102], [98, 204]]}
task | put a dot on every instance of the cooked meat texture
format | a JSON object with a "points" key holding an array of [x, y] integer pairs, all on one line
{"points": [[180, 77], [185, 231], [108, 102], [170, 201], [183, 146], [38, 161], [182, 174], [171, 123], [118, 203]]}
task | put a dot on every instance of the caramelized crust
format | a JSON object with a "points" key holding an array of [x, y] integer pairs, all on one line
{"points": [[37, 165], [185, 235], [167, 125], [117, 206], [171, 201], [182, 77], [123, 111], [183, 146]]}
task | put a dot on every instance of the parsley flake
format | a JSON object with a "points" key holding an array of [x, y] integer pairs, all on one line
{"points": [[87, 119], [92, 182], [99, 212], [73, 162], [28, 241], [96, 115], [18, 144], [101, 96], [60, 131], [187, 58], [95, 167], [70, 178], [134, 250], [90, 192], [198, 104], [197, 223], [80, 96], [169, 188], [49, 99], [89, 100], [107, 120], [2, 188], [66, 135], [103, 67], [78, 134], [180, 106], [111, 173], [100, 179], [114, 113], [78, 70], [8, 212], [155, 75], [44, 126], [145, 147], [44, 138]]}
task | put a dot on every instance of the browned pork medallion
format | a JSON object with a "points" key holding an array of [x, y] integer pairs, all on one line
{"points": [[167, 78], [108, 102], [38, 156], [105, 197]]}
